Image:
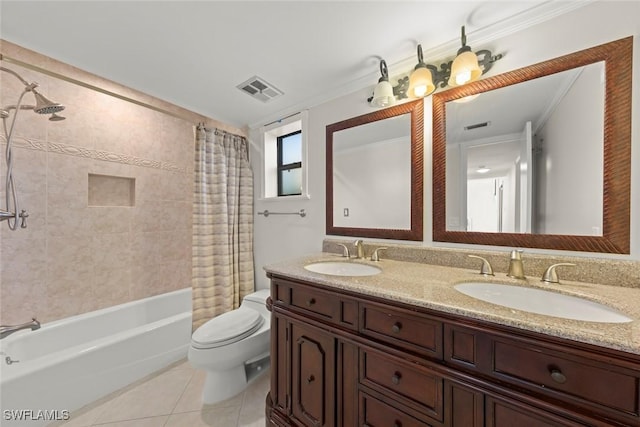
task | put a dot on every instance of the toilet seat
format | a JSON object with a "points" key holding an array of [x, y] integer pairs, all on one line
{"points": [[227, 328]]}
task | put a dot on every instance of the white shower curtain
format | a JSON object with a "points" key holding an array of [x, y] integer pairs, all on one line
{"points": [[222, 262]]}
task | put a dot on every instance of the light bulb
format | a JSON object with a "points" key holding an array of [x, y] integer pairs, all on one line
{"points": [[420, 91], [463, 77]]}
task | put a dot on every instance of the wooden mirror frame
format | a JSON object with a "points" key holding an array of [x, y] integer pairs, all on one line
{"points": [[416, 109], [617, 56]]}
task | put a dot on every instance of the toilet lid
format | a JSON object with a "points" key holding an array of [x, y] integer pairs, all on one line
{"points": [[227, 328]]}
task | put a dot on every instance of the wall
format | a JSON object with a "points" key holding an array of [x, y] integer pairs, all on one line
{"points": [[74, 257], [284, 237], [367, 176], [578, 151]]}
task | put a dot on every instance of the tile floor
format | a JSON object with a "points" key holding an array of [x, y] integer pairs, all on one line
{"points": [[172, 398]]}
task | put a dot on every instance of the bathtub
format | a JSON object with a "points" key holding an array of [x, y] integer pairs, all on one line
{"points": [[71, 362]]}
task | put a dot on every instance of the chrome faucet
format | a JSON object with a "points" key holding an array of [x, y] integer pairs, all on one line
{"points": [[516, 269], [7, 330], [359, 244]]}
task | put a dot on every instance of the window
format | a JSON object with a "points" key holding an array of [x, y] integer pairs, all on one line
{"points": [[290, 164], [284, 158]]}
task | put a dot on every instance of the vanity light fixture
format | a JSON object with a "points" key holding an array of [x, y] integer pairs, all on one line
{"points": [[425, 78]]}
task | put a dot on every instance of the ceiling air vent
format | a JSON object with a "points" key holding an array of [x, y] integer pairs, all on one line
{"points": [[477, 126], [260, 89]]}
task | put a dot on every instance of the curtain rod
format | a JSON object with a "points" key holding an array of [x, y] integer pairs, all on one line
{"points": [[281, 119]]}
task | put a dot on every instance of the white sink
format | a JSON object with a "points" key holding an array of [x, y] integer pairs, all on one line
{"points": [[344, 268], [542, 302]]}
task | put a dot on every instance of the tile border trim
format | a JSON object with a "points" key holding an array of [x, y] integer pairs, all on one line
{"points": [[107, 156]]}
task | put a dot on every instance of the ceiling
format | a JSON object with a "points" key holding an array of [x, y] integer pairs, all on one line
{"points": [[195, 53]]}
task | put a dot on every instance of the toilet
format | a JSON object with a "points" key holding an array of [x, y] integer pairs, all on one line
{"points": [[233, 348]]}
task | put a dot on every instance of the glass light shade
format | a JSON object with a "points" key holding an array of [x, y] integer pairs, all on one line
{"points": [[383, 95], [421, 83], [464, 69]]}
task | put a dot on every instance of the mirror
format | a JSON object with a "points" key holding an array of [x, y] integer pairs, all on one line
{"points": [[375, 174], [538, 157]]}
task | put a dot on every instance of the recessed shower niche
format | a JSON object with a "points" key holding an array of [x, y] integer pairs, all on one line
{"points": [[107, 190]]}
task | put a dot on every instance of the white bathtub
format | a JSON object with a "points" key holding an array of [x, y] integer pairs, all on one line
{"points": [[71, 362]]}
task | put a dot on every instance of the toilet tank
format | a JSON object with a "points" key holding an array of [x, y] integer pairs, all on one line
{"points": [[258, 301]]}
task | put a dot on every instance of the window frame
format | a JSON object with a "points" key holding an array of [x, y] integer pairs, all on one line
{"points": [[267, 157]]}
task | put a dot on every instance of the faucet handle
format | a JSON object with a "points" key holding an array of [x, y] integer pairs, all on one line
{"points": [[375, 256], [551, 276], [486, 268], [345, 250]]}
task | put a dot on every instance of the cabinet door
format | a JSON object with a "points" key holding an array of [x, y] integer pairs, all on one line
{"points": [[465, 405], [312, 375]]}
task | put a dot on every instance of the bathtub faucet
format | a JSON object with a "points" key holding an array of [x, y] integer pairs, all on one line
{"points": [[9, 329]]}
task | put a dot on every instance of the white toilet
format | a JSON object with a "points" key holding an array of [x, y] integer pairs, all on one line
{"points": [[233, 348]]}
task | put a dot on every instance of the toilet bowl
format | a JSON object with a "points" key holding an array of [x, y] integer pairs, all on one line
{"points": [[233, 348]]}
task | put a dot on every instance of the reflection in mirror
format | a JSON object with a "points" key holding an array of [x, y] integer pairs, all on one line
{"points": [[528, 158], [538, 157], [374, 174], [371, 180]]}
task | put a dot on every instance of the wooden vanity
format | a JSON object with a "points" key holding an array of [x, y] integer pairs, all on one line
{"points": [[344, 357]]}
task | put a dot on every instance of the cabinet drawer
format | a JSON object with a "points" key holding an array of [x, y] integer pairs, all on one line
{"points": [[507, 413], [569, 375], [316, 303], [415, 387], [419, 333], [375, 413]]}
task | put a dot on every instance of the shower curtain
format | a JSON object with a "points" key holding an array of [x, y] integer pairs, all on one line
{"points": [[222, 261]]}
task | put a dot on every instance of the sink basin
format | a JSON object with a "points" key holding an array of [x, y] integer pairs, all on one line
{"points": [[542, 302], [343, 268]]}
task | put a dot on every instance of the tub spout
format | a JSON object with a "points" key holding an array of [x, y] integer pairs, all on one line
{"points": [[8, 330]]}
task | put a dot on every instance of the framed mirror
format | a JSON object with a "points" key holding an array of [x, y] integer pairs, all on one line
{"points": [[374, 178], [538, 157]]}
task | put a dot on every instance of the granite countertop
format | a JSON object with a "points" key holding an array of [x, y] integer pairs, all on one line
{"points": [[432, 287]]}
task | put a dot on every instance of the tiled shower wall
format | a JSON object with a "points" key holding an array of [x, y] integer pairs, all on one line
{"points": [[75, 257]]}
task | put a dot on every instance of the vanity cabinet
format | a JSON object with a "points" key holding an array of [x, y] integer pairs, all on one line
{"points": [[341, 358]]}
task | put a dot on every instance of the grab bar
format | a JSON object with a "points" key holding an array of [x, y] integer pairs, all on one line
{"points": [[266, 213]]}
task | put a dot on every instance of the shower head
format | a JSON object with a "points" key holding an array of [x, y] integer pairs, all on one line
{"points": [[56, 118], [44, 105]]}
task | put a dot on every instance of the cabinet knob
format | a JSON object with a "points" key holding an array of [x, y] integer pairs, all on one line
{"points": [[396, 327], [558, 376], [311, 379], [396, 378], [311, 302], [397, 424]]}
